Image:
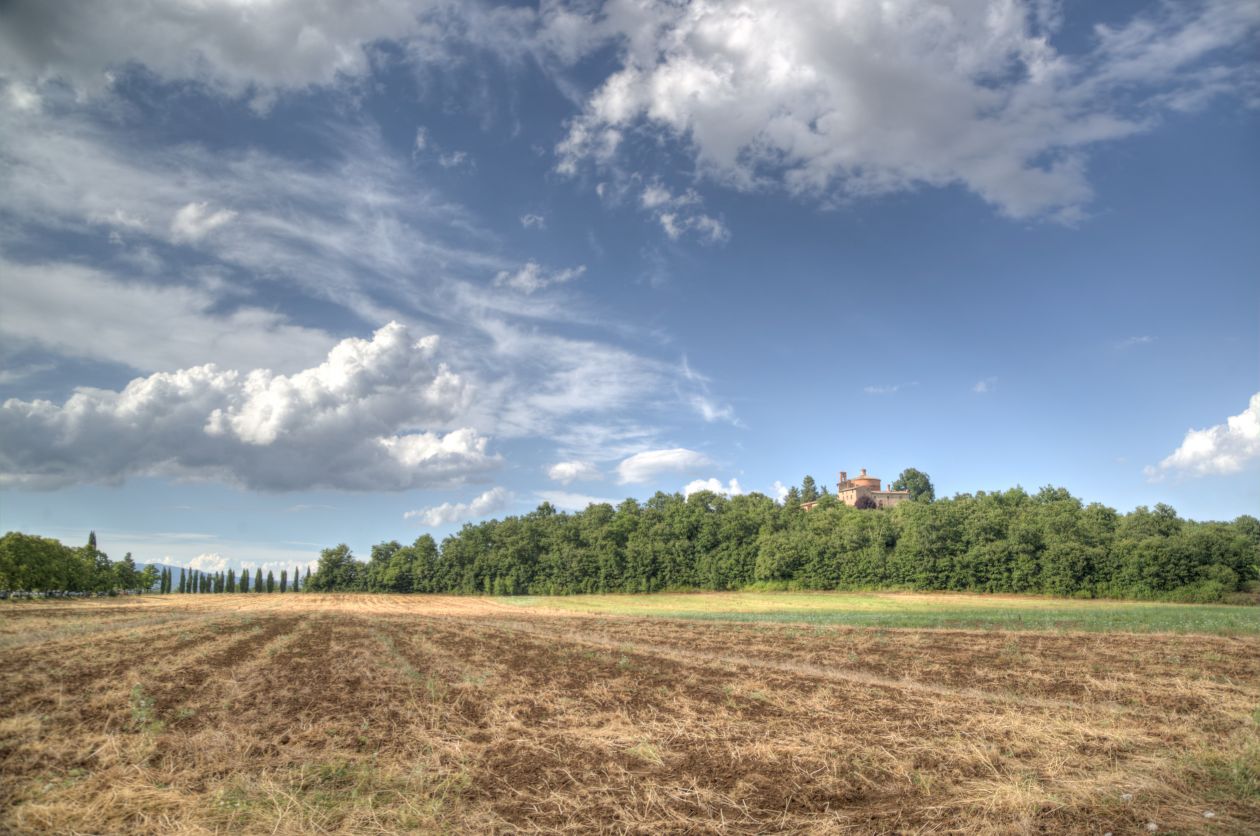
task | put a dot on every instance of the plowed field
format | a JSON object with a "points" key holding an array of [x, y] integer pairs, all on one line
{"points": [[308, 713]]}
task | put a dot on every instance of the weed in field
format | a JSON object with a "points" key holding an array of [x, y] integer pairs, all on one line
{"points": [[143, 715], [643, 750]]}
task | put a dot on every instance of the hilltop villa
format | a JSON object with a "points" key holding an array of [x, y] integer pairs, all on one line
{"points": [[849, 491]]}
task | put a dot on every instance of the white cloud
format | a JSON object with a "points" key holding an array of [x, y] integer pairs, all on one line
{"points": [[704, 405], [255, 49], [22, 97], [839, 100], [66, 172], [780, 490], [210, 562], [715, 485], [532, 277], [357, 231], [194, 221], [352, 423], [1133, 342], [487, 503], [531, 220], [984, 387], [712, 412], [454, 159], [646, 466], [681, 214], [888, 388], [81, 312], [1219, 450], [573, 471], [566, 501]]}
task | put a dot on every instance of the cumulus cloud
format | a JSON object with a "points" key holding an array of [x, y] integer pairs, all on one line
{"points": [[532, 220], [210, 562], [985, 386], [532, 277], [646, 466], [839, 100], [1219, 450], [374, 416], [450, 512], [780, 490], [573, 471], [566, 501], [714, 485]]}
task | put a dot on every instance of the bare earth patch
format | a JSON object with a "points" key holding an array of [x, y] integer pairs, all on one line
{"points": [[344, 713]]}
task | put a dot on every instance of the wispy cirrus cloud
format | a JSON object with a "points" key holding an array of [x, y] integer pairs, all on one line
{"points": [[888, 388]]}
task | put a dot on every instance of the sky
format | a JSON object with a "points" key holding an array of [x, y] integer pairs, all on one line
{"points": [[280, 275]]}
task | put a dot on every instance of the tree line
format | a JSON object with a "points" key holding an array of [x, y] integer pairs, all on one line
{"points": [[43, 565], [1048, 542]]}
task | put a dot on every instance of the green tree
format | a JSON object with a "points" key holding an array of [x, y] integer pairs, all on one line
{"points": [[809, 489], [917, 482], [284, 580], [147, 578], [271, 581], [258, 580], [337, 570], [244, 582]]}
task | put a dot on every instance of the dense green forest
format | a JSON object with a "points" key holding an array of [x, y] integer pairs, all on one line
{"points": [[1049, 542]]}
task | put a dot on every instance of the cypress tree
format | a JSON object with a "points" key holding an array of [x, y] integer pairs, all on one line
{"points": [[258, 581], [284, 580], [244, 580], [271, 581], [306, 581], [231, 580], [296, 575]]}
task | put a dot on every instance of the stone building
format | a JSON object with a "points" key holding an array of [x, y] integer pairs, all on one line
{"points": [[849, 491]]}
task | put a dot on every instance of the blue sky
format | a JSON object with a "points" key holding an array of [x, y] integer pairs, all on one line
{"points": [[277, 277]]}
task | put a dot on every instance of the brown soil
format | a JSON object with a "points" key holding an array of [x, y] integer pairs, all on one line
{"points": [[305, 713]]}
